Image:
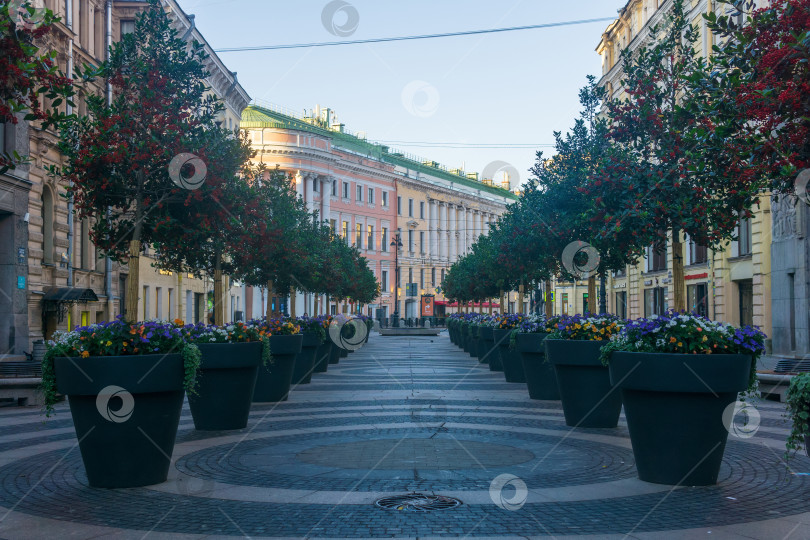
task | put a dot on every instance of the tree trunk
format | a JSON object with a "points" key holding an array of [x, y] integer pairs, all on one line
{"points": [[219, 311], [521, 289], [549, 300], [603, 293], [292, 302], [326, 305], [133, 281], [591, 295], [503, 303], [678, 292], [180, 297], [315, 299], [490, 306], [269, 311]]}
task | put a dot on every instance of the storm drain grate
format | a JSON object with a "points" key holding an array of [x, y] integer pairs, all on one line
{"points": [[418, 502]]}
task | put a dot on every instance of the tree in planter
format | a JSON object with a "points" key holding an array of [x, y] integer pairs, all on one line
{"points": [[199, 233], [26, 73], [755, 95], [119, 158], [272, 247], [646, 186]]}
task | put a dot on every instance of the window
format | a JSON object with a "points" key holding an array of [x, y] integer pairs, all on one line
{"points": [[345, 190], [172, 315], [410, 207], [442, 275], [333, 226], [358, 235], [146, 302], [384, 281], [159, 302], [359, 194], [621, 304], [421, 209], [620, 273], [127, 27], [47, 226], [399, 205], [334, 188], [410, 275], [370, 244], [565, 303], [744, 237], [421, 278], [410, 241], [84, 244], [370, 195], [345, 232], [655, 301], [385, 198], [384, 240], [421, 241], [586, 305], [657, 257], [315, 184], [697, 254], [697, 299]]}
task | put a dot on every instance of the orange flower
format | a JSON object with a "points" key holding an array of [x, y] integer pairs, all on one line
{"points": [[85, 354], [672, 340]]}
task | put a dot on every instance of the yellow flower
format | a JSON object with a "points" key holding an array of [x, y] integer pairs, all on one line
{"points": [[680, 344], [109, 343]]}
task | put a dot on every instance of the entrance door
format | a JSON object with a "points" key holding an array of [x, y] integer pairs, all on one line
{"points": [[746, 292]]}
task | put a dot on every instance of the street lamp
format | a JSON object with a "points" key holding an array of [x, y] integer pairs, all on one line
{"points": [[396, 243]]}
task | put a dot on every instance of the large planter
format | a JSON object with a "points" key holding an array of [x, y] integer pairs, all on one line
{"points": [[588, 398], [334, 354], [305, 362], [322, 356], [225, 384], [125, 410], [674, 407], [273, 383], [540, 376], [510, 358], [490, 350], [473, 345]]}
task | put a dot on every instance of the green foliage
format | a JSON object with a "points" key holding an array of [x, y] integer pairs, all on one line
{"points": [[798, 403]]}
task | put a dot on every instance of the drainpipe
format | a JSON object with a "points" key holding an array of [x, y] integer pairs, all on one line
{"points": [[108, 44], [69, 111]]}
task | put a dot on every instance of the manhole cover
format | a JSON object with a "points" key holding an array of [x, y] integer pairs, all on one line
{"points": [[417, 502]]}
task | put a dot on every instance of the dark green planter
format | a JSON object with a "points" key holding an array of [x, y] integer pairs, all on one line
{"points": [[510, 359], [674, 407], [588, 398], [491, 355], [540, 376], [121, 450], [225, 384], [322, 356], [273, 383], [473, 347], [305, 362], [344, 353], [334, 354]]}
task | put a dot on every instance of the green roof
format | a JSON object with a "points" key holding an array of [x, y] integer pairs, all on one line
{"points": [[255, 116]]}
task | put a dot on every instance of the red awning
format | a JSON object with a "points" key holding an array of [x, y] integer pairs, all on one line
{"points": [[477, 305], [440, 302]]}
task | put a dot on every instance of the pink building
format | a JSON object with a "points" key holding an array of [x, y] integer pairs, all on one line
{"points": [[337, 177]]}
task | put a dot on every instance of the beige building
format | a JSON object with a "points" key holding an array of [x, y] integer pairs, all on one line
{"points": [[730, 285]]}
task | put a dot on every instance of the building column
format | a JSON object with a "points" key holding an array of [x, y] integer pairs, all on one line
{"points": [[452, 240], [443, 234], [470, 228], [326, 197], [431, 229], [309, 188]]}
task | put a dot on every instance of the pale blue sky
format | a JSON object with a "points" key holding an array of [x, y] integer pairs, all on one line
{"points": [[512, 87]]}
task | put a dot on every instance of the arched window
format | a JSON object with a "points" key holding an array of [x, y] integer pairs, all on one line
{"points": [[47, 225]]}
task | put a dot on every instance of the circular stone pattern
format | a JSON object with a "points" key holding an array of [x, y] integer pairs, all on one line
{"points": [[430, 454]]}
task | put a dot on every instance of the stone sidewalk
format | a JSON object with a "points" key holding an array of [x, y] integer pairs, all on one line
{"points": [[400, 416]]}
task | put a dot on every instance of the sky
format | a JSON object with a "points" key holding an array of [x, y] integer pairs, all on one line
{"points": [[498, 90]]}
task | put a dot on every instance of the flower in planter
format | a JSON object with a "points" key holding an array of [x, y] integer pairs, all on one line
{"points": [[314, 325], [589, 327], [118, 338], [798, 403], [687, 333], [281, 326]]}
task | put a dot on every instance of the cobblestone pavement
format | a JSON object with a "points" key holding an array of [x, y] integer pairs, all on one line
{"points": [[400, 415]]}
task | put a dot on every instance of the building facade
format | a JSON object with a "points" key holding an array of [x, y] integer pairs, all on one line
{"points": [[373, 196], [52, 276], [732, 284]]}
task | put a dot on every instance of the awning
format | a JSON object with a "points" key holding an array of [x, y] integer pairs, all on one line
{"points": [[69, 294], [440, 302], [477, 305]]}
